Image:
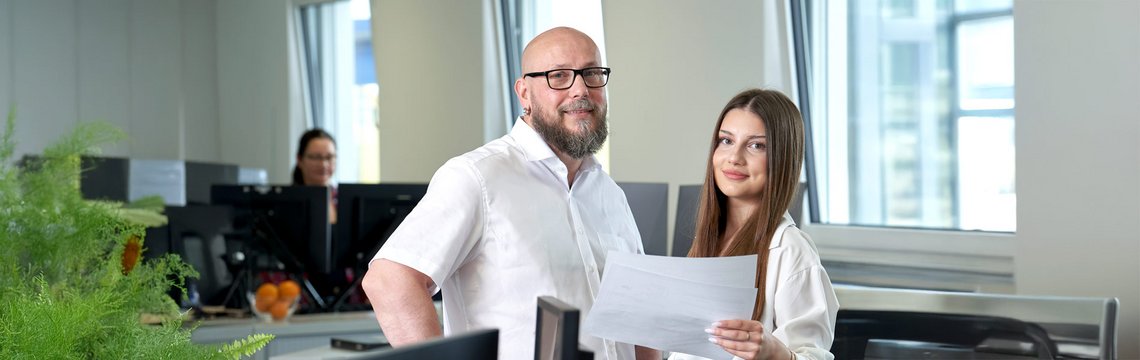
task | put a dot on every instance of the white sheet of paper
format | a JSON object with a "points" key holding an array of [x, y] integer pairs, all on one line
{"points": [[737, 271], [639, 304]]}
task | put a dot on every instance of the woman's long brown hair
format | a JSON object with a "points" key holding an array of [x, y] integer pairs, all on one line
{"points": [[784, 130]]}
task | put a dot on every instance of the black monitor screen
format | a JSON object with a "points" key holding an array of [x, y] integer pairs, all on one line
{"points": [[201, 176], [474, 345], [196, 233], [366, 215], [291, 221], [104, 178]]}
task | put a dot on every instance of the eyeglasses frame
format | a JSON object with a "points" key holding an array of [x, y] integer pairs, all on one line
{"points": [[577, 72]]}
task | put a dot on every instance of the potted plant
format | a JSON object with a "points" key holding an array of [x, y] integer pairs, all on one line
{"points": [[72, 284]]}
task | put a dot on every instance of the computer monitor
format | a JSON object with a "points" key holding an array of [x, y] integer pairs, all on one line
{"points": [[556, 331], [200, 176], [366, 215], [126, 180], [104, 178], [650, 204], [163, 178], [685, 227], [291, 221], [196, 234], [474, 345]]}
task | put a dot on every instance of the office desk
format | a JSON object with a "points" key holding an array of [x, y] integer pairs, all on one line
{"points": [[307, 336], [300, 332]]}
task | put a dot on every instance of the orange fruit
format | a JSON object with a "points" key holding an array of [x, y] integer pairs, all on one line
{"points": [[288, 290], [263, 304], [279, 310], [267, 291]]}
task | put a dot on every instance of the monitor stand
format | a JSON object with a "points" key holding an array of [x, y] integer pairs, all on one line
{"points": [[359, 270], [243, 280]]}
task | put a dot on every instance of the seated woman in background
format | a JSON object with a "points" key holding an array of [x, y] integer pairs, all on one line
{"points": [[316, 162], [752, 173]]}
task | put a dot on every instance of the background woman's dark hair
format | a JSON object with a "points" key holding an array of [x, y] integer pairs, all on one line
{"points": [[306, 138], [784, 130]]}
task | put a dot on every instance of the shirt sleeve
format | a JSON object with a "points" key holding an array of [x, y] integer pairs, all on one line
{"points": [[806, 308], [437, 237]]}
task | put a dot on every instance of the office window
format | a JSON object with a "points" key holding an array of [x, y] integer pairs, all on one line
{"points": [[911, 109], [339, 83]]}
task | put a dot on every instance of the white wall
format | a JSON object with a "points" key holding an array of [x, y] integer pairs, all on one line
{"points": [[258, 121], [200, 68], [5, 57], [674, 69], [429, 57], [146, 66], [1078, 157]]}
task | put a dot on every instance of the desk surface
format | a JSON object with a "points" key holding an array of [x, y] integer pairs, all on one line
{"points": [[305, 336], [220, 330], [293, 320]]}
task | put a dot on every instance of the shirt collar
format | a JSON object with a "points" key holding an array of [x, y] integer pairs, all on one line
{"points": [[536, 149], [531, 143], [777, 237]]}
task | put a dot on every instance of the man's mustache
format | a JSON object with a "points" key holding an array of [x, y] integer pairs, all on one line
{"points": [[580, 104]]}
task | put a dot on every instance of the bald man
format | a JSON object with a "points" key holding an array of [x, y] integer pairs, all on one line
{"points": [[529, 214]]}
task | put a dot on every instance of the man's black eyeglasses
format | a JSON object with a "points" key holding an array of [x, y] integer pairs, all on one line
{"points": [[562, 79]]}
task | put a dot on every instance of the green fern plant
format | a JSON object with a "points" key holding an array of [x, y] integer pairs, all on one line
{"points": [[247, 346], [71, 282]]}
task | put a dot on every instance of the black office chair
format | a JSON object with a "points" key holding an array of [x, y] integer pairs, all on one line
{"points": [[685, 224], [649, 203], [878, 323]]}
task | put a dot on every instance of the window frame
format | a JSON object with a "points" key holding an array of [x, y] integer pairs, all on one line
{"points": [[905, 257]]}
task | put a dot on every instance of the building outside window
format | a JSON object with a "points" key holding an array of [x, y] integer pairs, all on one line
{"points": [[339, 82], [912, 113]]}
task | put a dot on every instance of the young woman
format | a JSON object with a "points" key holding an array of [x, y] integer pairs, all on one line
{"points": [[316, 162], [751, 177]]}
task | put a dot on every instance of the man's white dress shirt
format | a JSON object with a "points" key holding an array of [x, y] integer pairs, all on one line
{"points": [[499, 227], [801, 306]]}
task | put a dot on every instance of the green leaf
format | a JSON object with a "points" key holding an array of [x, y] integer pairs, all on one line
{"points": [[245, 347]]}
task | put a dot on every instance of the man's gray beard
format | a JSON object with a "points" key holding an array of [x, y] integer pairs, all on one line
{"points": [[577, 145]]}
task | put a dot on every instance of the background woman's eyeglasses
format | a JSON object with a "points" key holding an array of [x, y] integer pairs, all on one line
{"points": [[320, 157]]}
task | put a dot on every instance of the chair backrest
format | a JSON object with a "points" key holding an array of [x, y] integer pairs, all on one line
{"points": [[685, 225], [1079, 327], [650, 204], [796, 208]]}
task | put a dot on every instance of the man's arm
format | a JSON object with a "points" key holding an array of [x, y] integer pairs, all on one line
{"points": [[644, 353], [400, 298]]}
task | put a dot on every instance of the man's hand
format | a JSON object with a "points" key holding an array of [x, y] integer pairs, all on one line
{"points": [[400, 298]]}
